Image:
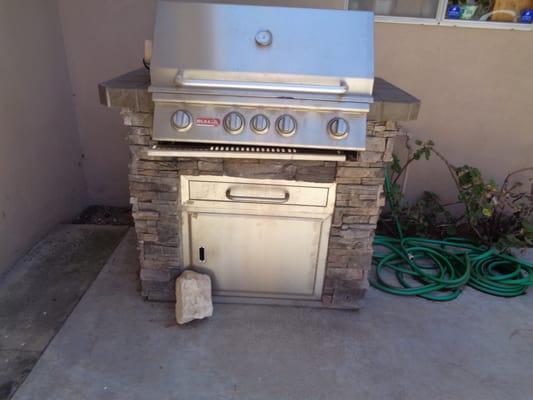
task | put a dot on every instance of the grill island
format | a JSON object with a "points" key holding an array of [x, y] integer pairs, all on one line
{"points": [[269, 179]]}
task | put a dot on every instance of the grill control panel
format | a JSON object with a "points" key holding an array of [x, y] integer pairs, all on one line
{"points": [[259, 126]]}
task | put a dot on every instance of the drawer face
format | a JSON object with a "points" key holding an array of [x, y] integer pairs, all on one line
{"points": [[239, 191]]}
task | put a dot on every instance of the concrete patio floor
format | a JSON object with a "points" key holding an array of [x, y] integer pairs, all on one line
{"points": [[114, 345], [38, 293]]}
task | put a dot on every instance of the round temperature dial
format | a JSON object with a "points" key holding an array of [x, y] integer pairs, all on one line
{"points": [[263, 38], [181, 120], [338, 128], [260, 124], [286, 125], [234, 123]]}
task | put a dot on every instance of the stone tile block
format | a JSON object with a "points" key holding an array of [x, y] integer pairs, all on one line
{"points": [[376, 144], [348, 297], [371, 156], [211, 166], [193, 297], [138, 119]]}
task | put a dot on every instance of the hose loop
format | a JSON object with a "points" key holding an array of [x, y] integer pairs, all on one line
{"points": [[438, 270]]}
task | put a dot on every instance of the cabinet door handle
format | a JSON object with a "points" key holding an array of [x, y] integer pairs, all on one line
{"points": [[257, 199]]}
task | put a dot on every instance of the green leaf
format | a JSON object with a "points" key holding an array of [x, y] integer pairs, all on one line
{"points": [[487, 212], [395, 166], [528, 227]]}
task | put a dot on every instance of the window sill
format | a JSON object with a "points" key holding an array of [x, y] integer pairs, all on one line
{"points": [[456, 23]]}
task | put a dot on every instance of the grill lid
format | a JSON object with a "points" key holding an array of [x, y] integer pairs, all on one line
{"points": [[262, 49]]}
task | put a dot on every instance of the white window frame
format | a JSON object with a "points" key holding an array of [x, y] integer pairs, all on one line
{"points": [[443, 21]]}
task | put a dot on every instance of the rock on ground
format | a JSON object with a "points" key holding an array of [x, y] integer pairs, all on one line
{"points": [[193, 297]]}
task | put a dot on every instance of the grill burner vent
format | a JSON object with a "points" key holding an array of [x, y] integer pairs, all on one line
{"points": [[253, 149], [264, 152]]}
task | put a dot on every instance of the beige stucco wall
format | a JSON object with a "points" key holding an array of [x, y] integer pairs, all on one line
{"points": [[475, 86], [103, 39], [41, 178]]}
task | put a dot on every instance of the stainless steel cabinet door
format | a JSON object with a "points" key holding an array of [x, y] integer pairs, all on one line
{"points": [[259, 255]]}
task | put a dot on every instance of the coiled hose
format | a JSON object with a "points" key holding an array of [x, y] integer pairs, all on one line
{"points": [[439, 269]]}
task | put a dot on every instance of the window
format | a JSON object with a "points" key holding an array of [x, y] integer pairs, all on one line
{"points": [[509, 14], [398, 8]]}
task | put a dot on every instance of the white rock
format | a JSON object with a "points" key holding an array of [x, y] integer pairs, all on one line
{"points": [[193, 297]]}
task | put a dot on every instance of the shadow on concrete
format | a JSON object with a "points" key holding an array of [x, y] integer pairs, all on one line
{"points": [[40, 291]]}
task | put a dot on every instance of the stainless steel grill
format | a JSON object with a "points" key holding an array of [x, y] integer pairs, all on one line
{"points": [[251, 77]]}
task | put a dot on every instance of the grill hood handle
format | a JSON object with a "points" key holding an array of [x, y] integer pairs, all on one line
{"points": [[342, 88]]}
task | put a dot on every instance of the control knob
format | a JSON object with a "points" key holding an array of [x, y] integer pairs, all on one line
{"points": [[181, 120], [286, 125], [338, 128], [260, 124], [234, 123]]}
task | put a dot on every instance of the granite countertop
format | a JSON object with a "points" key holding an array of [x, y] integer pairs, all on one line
{"points": [[131, 91]]}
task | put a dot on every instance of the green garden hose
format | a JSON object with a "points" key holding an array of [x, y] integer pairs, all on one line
{"points": [[440, 269]]}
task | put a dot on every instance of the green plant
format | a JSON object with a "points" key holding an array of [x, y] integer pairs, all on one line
{"points": [[501, 216], [494, 215], [427, 216]]}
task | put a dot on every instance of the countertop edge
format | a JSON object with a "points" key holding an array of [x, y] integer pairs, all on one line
{"points": [[130, 91]]}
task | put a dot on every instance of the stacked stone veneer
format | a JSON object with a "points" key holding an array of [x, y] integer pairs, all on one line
{"points": [[154, 188]]}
